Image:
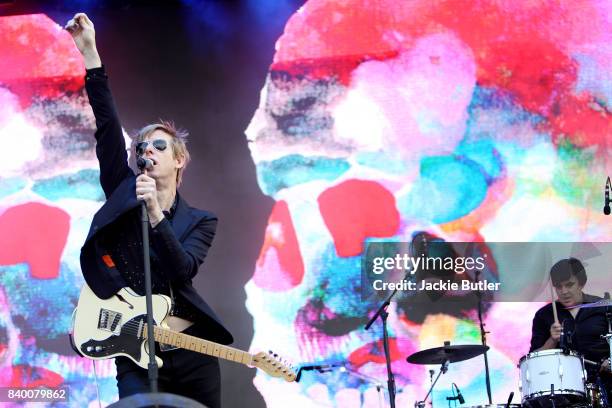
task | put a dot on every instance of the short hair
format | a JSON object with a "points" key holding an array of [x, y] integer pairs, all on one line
{"points": [[179, 142], [565, 269]]}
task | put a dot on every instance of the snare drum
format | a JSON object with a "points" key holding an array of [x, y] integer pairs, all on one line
{"points": [[552, 375]]}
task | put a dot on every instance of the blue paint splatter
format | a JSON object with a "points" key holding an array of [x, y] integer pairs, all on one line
{"points": [[83, 184], [488, 99], [40, 307], [449, 188], [339, 284], [484, 153], [383, 161], [296, 169], [11, 185]]}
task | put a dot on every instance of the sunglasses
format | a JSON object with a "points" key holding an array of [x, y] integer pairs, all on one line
{"points": [[158, 144]]}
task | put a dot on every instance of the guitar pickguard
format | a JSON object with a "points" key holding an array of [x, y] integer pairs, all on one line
{"points": [[128, 341]]}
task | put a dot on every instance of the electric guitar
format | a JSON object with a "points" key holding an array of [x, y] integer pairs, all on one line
{"points": [[117, 326]]}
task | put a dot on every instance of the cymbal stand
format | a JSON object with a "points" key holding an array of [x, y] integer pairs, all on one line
{"points": [[443, 370], [483, 339]]}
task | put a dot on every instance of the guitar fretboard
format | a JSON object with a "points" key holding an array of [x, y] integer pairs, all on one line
{"points": [[196, 344]]}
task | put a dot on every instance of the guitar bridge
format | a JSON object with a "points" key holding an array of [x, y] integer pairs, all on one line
{"points": [[108, 320]]}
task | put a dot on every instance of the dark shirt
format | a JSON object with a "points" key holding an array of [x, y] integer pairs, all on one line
{"points": [[588, 326]]}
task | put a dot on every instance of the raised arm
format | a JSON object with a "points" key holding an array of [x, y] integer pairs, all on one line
{"points": [[84, 35], [110, 146]]}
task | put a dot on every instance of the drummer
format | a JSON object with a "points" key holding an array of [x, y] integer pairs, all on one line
{"points": [[584, 325]]}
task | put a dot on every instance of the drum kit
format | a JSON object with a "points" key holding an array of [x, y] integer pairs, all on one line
{"points": [[553, 377], [548, 379]]}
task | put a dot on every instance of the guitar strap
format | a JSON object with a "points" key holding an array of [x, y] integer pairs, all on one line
{"points": [[171, 298]]}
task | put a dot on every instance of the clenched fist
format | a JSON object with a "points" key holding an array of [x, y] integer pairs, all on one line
{"points": [[84, 35], [146, 190], [555, 331]]}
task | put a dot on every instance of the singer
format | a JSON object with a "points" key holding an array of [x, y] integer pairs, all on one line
{"points": [[181, 236]]}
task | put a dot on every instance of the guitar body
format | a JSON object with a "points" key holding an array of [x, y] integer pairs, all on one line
{"points": [[117, 326], [107, 328]]}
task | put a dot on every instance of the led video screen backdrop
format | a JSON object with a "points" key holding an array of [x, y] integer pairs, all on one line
{"points": [[49, 191], [475, 121], [472, 120]]}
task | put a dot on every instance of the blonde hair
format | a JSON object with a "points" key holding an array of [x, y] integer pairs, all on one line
{"points": [[179, 142]]}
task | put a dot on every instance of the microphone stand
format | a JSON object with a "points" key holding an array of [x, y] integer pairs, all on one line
{"points": [[152, 368], [382, 312], [483, 339]]}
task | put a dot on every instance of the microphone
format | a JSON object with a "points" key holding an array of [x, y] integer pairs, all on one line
{"points": [[144, 164], [606, 208], [510, 399], [458, 397], [461, 399]]}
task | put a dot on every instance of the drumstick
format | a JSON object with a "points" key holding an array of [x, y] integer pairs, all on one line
{"points": [[554, 304]]}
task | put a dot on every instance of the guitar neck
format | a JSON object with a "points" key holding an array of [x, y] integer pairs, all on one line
{"points": [[185, 341]]}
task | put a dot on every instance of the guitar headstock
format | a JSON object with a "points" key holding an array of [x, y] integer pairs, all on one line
{"points": [[273, 365]]}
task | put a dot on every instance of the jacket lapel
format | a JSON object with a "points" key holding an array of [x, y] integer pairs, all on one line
{"points": [[183, 219]]}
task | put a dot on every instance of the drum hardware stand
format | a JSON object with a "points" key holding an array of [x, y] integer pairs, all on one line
{"points": [[344, 367], [608, 336], [443, 370], [431, 379], [509, 399], [368, 379], [483, 339]]}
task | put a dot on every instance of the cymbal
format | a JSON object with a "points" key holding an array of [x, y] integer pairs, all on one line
{"points": [[599, 303], [453, 354]]}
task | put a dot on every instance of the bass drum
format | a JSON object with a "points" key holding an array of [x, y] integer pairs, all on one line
{"points": [[552, 378]]}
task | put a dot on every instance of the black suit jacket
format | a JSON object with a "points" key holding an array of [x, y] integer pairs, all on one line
{"points": [[181, 246]]}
